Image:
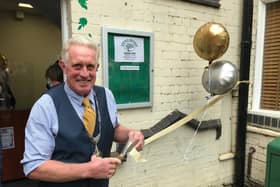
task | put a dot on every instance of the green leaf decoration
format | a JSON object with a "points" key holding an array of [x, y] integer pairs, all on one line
{"points": [[83, 22], [83, 4], [90, 35]]}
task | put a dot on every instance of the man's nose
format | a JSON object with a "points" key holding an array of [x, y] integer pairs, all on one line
{"points": [[84, 71]]}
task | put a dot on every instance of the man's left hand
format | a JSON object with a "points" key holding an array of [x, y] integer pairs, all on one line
{"points": [[137, 138]]}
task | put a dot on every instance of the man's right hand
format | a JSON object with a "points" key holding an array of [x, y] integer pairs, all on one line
{"points": [[101, 168]]}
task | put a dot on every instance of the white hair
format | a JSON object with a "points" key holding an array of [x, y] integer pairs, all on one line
{"points": [[78, 40]]}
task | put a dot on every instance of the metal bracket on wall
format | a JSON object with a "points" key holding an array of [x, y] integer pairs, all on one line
{"points": [[175, 116]]}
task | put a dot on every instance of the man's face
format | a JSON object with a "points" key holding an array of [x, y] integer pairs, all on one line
{"points": [[80, 70]]}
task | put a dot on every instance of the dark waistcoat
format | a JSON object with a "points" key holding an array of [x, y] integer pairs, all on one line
{"points": [[72, 144]]}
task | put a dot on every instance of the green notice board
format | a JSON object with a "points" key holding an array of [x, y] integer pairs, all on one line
{"points": [[128, 66]]}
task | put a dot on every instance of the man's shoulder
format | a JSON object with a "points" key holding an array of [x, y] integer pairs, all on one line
{"points": [[55, 90], [98, 88]]}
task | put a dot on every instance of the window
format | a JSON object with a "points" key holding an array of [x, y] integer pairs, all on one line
{"points": [[267, 78], [270, 93]]}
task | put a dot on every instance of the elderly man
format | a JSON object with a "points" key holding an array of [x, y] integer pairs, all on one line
{"points": [[60, 150]]}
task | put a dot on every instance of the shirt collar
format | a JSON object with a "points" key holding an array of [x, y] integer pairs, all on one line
{"points": [[75, 97]]}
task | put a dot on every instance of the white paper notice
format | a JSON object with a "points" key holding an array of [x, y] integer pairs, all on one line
{"points": [[129, 49], [7, 137]]}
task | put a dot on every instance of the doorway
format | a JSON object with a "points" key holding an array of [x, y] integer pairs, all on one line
{"points": [[31, 40]]}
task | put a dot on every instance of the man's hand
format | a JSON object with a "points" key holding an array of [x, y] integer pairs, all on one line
{"points": [[101, 168], [137, 138]]}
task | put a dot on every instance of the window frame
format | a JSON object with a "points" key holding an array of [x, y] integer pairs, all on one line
{"points": [[258, 73], [64, 4]]}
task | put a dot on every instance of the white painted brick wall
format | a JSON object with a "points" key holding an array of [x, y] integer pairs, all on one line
{"points": [[176, 85]]}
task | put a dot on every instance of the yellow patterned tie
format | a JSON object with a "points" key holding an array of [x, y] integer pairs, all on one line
{"points": [[89, 117]]}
